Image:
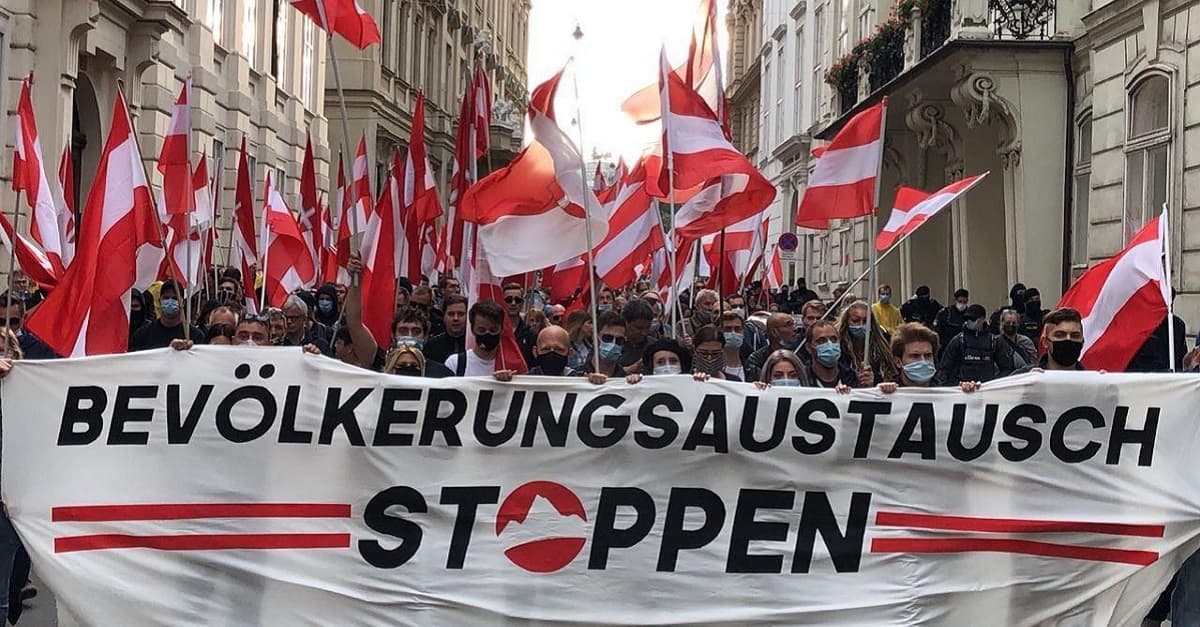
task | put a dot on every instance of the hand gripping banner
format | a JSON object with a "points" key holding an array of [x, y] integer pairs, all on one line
{"points": [[267, 487]]}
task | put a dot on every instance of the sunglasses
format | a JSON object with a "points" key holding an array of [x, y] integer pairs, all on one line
{"points": [[608, 337], [13, 322], [263, 318], [513, 300]]}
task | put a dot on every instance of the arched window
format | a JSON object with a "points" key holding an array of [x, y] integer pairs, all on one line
{"points": [[1082, 192], [1147, 150]]}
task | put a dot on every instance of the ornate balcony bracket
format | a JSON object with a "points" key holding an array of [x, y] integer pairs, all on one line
{"points": [[977, 94]]}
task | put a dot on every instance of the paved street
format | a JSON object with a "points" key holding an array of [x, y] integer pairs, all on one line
{"points": [[41, 612]]}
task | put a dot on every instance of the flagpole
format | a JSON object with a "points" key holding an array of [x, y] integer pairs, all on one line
{"points": [[587, 216], [1170, 292], [872, 253], [187, 296], [265, 240], [215, 197], [337, 81], [12, 264], [721, 270]]}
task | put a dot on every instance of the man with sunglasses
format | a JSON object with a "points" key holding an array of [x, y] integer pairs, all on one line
{"points": [[612, 344], [557, 314], [14, 318], [514, 302]]}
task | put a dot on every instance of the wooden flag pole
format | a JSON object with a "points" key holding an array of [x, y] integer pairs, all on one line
{"points": [[587, 219], [337, 81]]}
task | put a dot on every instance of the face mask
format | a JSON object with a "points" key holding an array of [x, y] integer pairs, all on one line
{"points": [[408, 340], [733, 339], [858, 330], [604, 307], [409, 371], [1066, 352], [227, 295], [924, 298], [792, 345], [136, 318], [786, 383], [829, 353], [1033, 309], [740, 311], [973, 325], [552, 363], [668, 369], [960, 306], [705, 316], [325, 306], [487, 341], [885, 298], [920, 372], [710, 365], [250, 343], [170, 307], [610, 351], [1010, 329]]}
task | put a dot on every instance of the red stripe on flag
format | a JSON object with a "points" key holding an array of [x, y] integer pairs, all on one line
{"points": [[1022, 547], [1012, 525], [836, 202], [203, 542], [1133, 323], [184, 511]]}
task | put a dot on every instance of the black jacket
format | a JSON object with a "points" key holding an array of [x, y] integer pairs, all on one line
{"points": [[1155, 354], [440, 347], [953, 368], [923, 310]]}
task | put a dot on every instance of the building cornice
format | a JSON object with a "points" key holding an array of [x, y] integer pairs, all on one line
{"points": [[1114, 20]]}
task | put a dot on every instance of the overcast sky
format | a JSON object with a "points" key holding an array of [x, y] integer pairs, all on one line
{"points": [[617, 56]]}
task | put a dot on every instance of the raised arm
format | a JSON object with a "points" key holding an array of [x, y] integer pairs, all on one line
{"points": [[365, 345]]}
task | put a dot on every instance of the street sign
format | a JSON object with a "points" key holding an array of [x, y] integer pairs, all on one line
{"points": [[788, 243]]}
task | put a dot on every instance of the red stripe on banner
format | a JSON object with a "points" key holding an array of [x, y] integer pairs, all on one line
{"points": [[1012, 525], [182, 511], [203, 542], [1003, 545]]}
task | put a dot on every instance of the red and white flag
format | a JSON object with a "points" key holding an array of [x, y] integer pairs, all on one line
{"points": [[843, 183], [244, 254], [568, 283], [913, 207], [701, 157], [187, 234], [742, 244], [419, 203], [66, 216], [287, 262], [361, 203], [535, 211], [29, 176], [344, 17], [381, 257], [471, 143], [1122, 300], [32, 261], [337, 245], [634, 231], [174, 160], [310, 206], [599, 183], [774, 274], [89, 312]]}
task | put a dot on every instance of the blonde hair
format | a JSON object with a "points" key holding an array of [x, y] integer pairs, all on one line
{"points": [[394, 355], [13, 344]]}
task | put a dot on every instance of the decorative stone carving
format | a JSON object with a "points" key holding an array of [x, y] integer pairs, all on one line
{"points": [[928, 121], [977, 94]]}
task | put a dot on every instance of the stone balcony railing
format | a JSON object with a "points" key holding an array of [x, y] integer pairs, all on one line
{"points": [[919, 28]]}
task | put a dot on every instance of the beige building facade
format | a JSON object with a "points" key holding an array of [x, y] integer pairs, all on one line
{"points": [[432, 45], [257, 66]]}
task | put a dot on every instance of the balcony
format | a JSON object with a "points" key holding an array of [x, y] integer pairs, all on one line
{"points": [[918, 29]]}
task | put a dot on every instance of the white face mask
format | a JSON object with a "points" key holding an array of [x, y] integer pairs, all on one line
{"points": [[668, 369], [250, 343]]}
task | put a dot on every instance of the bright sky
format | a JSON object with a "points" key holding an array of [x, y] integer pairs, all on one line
{"points": [[617, 56]]}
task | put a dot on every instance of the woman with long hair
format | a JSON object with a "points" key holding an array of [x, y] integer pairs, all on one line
{"points": [[579, 330], [852, 333]]}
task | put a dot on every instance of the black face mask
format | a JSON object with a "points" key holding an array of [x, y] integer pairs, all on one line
{"points": [[409, 371], [552, 363], [1033, 308], [487, 341], [137, 318], [1066, 352]]}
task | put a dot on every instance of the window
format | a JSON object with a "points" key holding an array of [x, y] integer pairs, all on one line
{"points": [[279, 64], [431, 49], [845, 253], [388, 45], [818, 56], [308, 66], [418, 32], [866, 22], [766, 98], [249, 29], [780, 90], [402, 42], [280, 181], [843, 27], [216, 21], [1146, 152], [218, 154], [820, 257], [448, 76], [1081, 192], [798, 87]]}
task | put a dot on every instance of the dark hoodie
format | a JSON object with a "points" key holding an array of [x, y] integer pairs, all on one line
{"points": [[331, 318], [138, 318]]}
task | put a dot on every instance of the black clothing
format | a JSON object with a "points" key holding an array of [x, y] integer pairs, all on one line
{"points": [[526, 338], [1042, 363], [567, 372], [948, 324], [1031, 326], [975, 356], [330, 319], [753, 366], [440, 347], [312, 336], [1155, 354], [34, 348], [436, 370], [923, 310], [154, 335], [799, 296], [437, 322]]}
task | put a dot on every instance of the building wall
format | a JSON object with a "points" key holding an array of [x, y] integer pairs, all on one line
{"points": [[257, 71]]}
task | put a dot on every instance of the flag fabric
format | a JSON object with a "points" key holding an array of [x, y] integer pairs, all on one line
{"points": [[731, 252], [472, 141], [1122, 300], [599, 183], [773, 279], [338, 243], [361, 203], [913, 207], [660, 271], [634, 231], [174, 160], [419, 204], [66, 216], [483, 285], [344, 17], [381, 249], [287, 263], [29, 176], [535, 212], [89, 312], [696, 150], [244, 252], [187, 233], [843, 183], [310, 219], [31, 259]]}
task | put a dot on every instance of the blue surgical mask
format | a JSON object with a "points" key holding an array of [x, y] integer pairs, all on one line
{"points": [[604, 307], [885, 298], [668, 369], [325, 306], [610, 351], [786, 383], [408, 340], [733, 339], [858, 330], [920, 372], [170, 307], [829, 353]]}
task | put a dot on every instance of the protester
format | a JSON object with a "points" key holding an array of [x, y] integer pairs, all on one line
{"points": [[327, 312], [138, 311], [914, 346], [709, 359], [800, 295], [422, 301], [556, 315], [840, 299], [405, 360], [1016, 297], [579, 334], [810, 312], [781, 333], [352, 342], [221, 334], [252, 331], [1061, 340], [1023, 347], [551, 353], [663, 357], [299, 326], [661, 325], [159, 333], [733, 330], [886, 315], [410, 328], [604, 301], [453, 340], [14, 320], [612, 344], [639, 318], [277, 322], [975, 354], [705, 310], [14, 560], [487, 320], [756, 298], [853, 327], [402, 295], [1155, 353], [921, 308], [782, 368], [536, 320], [1031, 318], [514, 302], [828, 367], [949, 321]]}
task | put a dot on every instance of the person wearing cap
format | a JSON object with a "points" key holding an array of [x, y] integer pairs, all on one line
{"points": [[159, 333], [975, 354], [949, 321], [921, 308]]}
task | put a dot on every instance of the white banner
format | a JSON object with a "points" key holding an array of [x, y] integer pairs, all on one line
{"points": [[265, 487]]}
